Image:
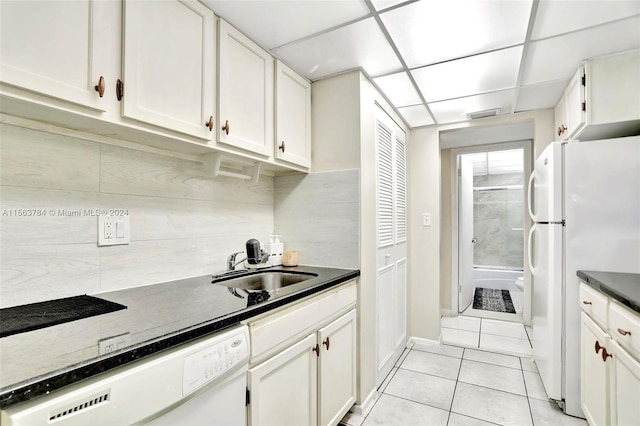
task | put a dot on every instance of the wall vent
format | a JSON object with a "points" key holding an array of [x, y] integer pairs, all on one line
{"points": [[483, 114], [91, 402]]}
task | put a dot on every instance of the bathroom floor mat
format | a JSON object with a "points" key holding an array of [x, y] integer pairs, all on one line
{"points": [[489, 299], [23, 318]]}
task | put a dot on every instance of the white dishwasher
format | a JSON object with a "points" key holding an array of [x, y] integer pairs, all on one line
{"points": [[198, 383]]}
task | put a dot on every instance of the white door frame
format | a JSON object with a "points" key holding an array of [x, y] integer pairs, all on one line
{"points": [[527, 146]]}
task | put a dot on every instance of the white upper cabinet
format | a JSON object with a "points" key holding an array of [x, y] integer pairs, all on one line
{"points": [[57, 49], [601, 101], [169, 71], [245, 93], [293, 117]]}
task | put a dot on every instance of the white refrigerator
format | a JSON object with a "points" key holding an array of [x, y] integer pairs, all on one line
{"points": [[584, 200]]}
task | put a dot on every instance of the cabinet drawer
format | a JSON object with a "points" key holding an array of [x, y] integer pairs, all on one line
{"points": [[624, 327], [274, 332], [594, 304]]}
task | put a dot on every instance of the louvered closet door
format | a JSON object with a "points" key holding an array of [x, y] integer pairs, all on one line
{"points": [[391, 282]]}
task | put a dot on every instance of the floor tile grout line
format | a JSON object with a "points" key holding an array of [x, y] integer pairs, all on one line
{"points": [[427, 374], [497, 390], [490, 363], [526, 390], [410, 400], [455, 387]]}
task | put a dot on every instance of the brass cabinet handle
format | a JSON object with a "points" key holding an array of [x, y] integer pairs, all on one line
{"points": [[316, 349], [100, 86], [598, 347], [281, 147], [209, 123], [119, 89], [624, 332], [605, 354], [561, 129], [586, 302], [327, 343], [226, 127]]}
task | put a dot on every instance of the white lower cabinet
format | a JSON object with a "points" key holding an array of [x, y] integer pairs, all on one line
{"points": [[308, 378], [312, 382], [594, 372], [283, 390], [610, 366]]}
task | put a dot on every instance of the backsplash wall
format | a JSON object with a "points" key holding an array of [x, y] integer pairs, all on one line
{"points": [[319, 216], [182, 224]]}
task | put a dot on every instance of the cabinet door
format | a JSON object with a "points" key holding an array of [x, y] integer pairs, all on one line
{"points": [[293, 117], [625, 387], [283, 390], [169, 53], [245, 93], [561, 133], [594, 375], [55, 48], [391, 259], [575, 107], [337, 369]]}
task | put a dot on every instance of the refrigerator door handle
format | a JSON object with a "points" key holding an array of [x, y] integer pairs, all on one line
{"points": [[530, 197], [530, 249]]}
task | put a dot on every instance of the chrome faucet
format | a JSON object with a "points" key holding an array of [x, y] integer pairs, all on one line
{"points": [[231, 261]]}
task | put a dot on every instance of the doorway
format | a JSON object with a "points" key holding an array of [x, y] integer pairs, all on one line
{"points": [[489, 211]]}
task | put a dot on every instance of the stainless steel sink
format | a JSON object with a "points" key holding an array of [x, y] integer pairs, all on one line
{"points": [[263, 280]]}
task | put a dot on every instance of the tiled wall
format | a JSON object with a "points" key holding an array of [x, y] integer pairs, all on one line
{"points": [[498, 220], [182, 224], [319, 216]]}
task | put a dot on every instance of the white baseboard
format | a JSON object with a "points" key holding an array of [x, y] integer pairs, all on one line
{"points": [[367, 405], [446, 313], [420, 340]]}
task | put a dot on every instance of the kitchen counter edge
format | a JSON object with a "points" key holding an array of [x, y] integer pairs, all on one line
{"points": [[44, 385], [622, 287]]}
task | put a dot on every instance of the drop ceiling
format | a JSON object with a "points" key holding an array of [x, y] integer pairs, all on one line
{"points": [[437, 61]]}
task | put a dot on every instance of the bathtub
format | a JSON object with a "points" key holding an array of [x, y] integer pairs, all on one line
{"points": [[499, 279]]}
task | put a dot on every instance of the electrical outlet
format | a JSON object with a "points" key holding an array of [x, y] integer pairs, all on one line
{"points": [[112, 344], [113, 230]]}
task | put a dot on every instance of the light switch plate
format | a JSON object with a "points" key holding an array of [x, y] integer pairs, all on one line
{"points": [[113, 230], [426, 219]]}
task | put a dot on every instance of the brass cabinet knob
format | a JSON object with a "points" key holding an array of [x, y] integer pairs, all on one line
{"points": [[209, 123], [281, 147], [316, 349], [562, 129], [605, 354], [586, 302], [226, 127], [326, 343], [119, 89], [624, 332], [100, 86], [598, 347]]}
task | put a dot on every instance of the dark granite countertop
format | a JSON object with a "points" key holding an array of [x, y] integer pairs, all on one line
{"points": [[158, 317], [623, 287]]}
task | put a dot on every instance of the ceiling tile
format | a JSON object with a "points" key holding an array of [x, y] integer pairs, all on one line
{"points": [[274, 23], [361, 44], [476, 74], [384, 4], [398, 89], [558, 17], [559, 57], [455, 110], [432, 31], [540, 96], [416, 115]]}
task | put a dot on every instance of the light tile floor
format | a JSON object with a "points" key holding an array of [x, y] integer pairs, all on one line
{"points": [[487, 334], [451, 385]]}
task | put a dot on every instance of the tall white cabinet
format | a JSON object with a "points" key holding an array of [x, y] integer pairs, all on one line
{"points": [[391, 224]]}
